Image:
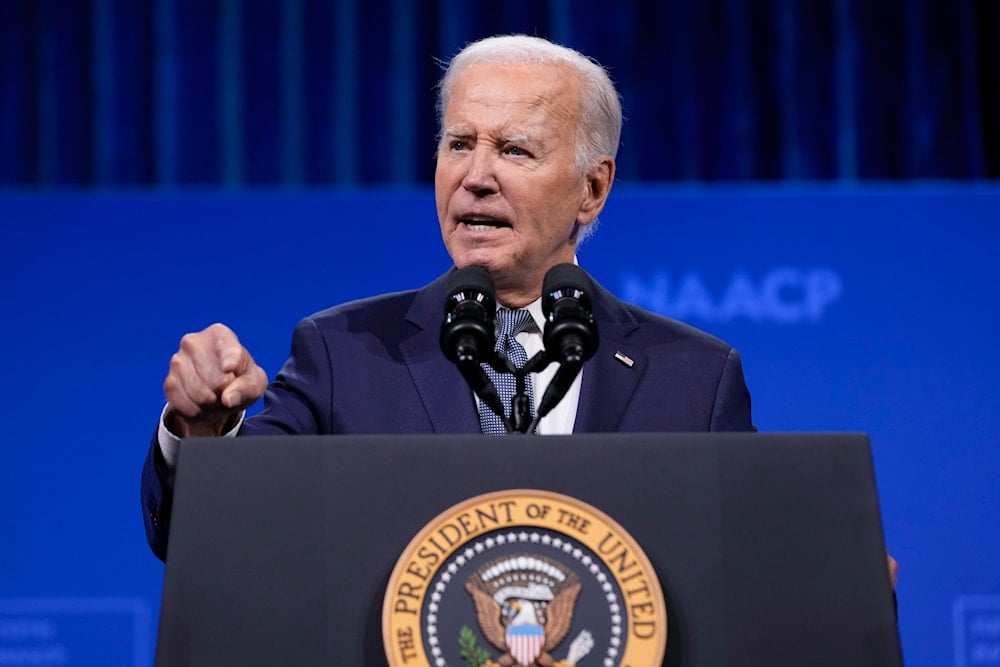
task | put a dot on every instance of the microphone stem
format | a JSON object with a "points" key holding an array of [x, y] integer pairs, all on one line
{"points": [[520, 416], [520, 409]]}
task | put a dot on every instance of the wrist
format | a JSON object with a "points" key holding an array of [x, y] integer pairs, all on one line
{"points": [[182, 427]]}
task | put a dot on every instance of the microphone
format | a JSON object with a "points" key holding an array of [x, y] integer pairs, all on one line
{"points": [[570, 330], [468, 333], [570, 335]]}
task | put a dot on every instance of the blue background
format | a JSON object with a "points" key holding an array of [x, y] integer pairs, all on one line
{"points": [[856, 308], [857, 305]]}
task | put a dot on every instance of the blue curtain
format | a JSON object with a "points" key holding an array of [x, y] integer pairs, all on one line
{"points": [[308, 93]]}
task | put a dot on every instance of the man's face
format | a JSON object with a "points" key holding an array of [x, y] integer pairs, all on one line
{"points": [[509, 194]]}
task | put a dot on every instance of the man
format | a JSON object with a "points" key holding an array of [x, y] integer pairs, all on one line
{"points": [[526, 159]]}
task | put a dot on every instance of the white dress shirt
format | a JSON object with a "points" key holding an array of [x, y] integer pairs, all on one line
{"points": [[561, 419]]}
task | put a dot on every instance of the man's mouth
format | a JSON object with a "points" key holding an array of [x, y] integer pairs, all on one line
{"points": [[476, 223]]}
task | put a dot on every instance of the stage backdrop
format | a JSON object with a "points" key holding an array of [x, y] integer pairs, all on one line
{"points": [[856, 309]]}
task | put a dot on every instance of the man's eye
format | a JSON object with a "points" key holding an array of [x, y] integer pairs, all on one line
{"points": [[515, 150], [458, 145]]}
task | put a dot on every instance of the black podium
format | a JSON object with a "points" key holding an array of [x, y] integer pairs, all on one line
{"points": [[768, 547]]}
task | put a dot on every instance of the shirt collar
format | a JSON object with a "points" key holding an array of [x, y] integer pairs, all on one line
{"points": [[535, 308]]}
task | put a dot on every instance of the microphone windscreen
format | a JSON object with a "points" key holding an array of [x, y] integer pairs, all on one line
{"points": [[562, 279], [469, 279]]}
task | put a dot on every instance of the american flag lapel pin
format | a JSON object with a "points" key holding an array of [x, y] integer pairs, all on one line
{"points": [[625, 359]]}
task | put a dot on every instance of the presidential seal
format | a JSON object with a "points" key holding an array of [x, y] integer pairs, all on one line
{"points": [[523, 578]]}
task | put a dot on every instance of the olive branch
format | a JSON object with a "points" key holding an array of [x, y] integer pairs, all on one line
{"points": [[472, 653]]}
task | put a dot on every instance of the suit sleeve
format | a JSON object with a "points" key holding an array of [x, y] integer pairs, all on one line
{"points": [[297, 402], [731, 411], [156, 496]]}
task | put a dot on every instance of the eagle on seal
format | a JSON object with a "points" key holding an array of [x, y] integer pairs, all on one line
{"points": [[524, 605]]}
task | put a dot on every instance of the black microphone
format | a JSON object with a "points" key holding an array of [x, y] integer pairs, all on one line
{"points": [[468, 333], [570, 331], [570, 335]]}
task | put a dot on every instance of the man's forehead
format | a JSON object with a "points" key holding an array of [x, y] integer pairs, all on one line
{"points": [[513, 99], [532, 84]]}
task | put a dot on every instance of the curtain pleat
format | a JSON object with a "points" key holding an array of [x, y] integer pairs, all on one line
{"points": [[308, 93]]}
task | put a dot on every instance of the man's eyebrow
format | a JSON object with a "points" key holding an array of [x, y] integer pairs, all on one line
{"points": [[520, 138], [511, 138]]}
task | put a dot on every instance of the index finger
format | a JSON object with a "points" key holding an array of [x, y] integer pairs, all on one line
{"points": [[230, 352]]}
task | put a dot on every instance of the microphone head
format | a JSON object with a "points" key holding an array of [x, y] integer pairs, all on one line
{"points": [[570, 329], [564, 280], [470, 281], [467, 333]]}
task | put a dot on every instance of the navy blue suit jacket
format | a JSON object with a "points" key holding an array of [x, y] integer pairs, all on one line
{"points": [[375, 366]]}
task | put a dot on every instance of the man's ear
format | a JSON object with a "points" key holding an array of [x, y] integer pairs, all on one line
{"points": [[600, 176]]}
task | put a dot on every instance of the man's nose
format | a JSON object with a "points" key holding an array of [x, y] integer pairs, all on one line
{"points": [[480, 177]]}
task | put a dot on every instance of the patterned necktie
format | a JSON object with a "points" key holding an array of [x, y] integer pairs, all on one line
{"points": [[509, 324]]}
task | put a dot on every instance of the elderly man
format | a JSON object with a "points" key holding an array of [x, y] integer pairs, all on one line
{"points": [[526, 159]]}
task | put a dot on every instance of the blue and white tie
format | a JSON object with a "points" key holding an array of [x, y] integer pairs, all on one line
{"points": [[509, 323]]}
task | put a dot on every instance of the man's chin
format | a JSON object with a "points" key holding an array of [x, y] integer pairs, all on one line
{"points": [[494, 264]]}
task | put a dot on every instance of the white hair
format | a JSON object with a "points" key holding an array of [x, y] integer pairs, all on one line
{"points": [[600, 126]]}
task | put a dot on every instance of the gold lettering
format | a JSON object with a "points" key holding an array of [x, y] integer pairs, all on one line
{"points": [[417, 571], [642, 608], [601, 548], [620, 556], [487, 518], [637, 573], [466, 522], [573, 520], [423, 553], [493, 517], [644, 588], [507, 505], [436, 545], [451, 534], [644, 629], [406, 590], [403, 607], [406, 644]]}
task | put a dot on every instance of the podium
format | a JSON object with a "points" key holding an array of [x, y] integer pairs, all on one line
{"points": [[768, 548]]}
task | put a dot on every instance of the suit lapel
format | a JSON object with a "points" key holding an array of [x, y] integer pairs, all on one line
{"points": [[446, 397], [608, 382], [612, 375]]}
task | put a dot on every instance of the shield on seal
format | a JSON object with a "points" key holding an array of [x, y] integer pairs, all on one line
{"points": [[525, 642]]}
